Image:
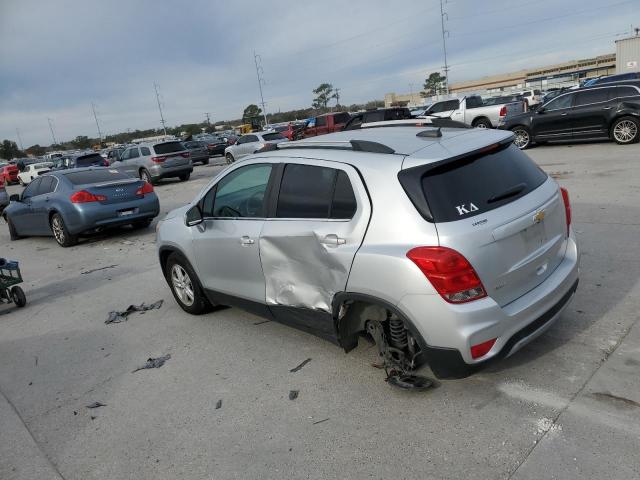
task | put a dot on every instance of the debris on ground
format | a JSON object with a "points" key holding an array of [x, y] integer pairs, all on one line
{"points": [[97, 269], [154, 362], [118, 317], [261, 322], [218, 404], [293, 394], [547, 425], [93, 417], [96, 405], [295, 369], [320, 421]]}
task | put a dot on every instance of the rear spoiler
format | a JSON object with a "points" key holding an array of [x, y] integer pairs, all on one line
{"points": [[411, 178]]}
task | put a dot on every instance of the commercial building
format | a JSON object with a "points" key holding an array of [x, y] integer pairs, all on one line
{"points": [[628, 54]]}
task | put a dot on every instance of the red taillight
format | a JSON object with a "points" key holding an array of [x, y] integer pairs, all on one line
{"points": [[503, 111], [144, 189], [567, 207], [449, 272], [83, 196], [481, 349], [158, 159]]}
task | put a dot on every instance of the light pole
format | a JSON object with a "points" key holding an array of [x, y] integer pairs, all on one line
{"points": [[55, 142], [259, 73]]}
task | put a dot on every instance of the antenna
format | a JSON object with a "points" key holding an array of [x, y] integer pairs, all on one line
{"points": [[260, 72], [19, 139], [164, 129], [93, 107], [53, 135], [445, 33]]}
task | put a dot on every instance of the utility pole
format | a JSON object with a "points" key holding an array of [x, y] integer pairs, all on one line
{"points": [[164, 128], [53, 135], [259, 72], [93, 107], [445, 33], [19, 139], [207, 114], [411, 90], [337, 95]]}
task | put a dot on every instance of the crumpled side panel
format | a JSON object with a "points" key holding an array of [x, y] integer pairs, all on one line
{"points": [[302, 272]]}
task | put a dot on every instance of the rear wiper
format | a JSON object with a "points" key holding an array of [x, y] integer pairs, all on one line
{"points": [[510, 192]]}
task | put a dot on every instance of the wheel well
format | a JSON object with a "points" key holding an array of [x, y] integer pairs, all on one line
{"points": [[51, 214], [478, 119], [164, 256]]}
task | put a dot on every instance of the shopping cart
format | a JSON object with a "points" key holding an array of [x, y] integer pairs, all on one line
{"points": [[10, 277]]}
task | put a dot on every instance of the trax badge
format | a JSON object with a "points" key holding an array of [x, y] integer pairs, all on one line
{"points": [[538, 217], [462, 209]]}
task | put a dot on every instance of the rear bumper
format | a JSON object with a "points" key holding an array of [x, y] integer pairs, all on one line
{"points": [[91, 217], [451, 330], [218, 149], [158, 171]]}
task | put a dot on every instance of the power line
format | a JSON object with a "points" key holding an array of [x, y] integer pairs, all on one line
{"points": [[259, 72], [164, 128]]}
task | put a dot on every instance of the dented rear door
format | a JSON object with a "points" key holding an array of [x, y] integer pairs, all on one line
{"points": [[307, 250]]}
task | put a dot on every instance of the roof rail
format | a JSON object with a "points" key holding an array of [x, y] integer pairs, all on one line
{"points": [[355, 145]]}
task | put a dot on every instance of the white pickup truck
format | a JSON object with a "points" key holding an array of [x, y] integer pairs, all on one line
{"points": [[472, 111]]}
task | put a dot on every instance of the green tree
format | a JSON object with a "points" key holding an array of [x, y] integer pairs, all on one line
{"points": [[251, 114], [9, 150], [433, 85], [82, 142], [35, 150], [324, 93]]}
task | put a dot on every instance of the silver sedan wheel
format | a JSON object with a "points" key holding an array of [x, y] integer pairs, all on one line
{"points": [[625, 131], [481, 125], [58, 229], [522, 138], [182, 285]]}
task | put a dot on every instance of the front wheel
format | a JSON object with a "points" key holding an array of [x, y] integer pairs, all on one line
{"points": [[482, 123], [18, 296], [184, 177], [185, 287], [523, 137], [60, 232], [625, 130], [205, 162], [229, 158]]}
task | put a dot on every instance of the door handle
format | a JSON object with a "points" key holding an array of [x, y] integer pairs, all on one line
{"points": [[565, 113], [245, 240], [607, 108], [333, 240]]}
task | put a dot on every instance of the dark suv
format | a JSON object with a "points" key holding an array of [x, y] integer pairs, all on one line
{"points": [[604, 111], [378, 115]]}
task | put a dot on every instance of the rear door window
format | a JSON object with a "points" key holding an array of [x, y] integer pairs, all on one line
{"points": [[47, 185], [588, 97], [472, 186], [627, 92], [321, 121], [145, 151], [168, 147], [342, 117], [344, 203], [561, 102]]}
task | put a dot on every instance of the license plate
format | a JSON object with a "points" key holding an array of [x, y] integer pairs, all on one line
{"points": [[124, 213]]}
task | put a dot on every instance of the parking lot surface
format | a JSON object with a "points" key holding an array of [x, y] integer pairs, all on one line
{"points": [[566, 406]]}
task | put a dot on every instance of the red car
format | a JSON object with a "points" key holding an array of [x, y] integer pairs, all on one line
{"points": [[291, 131], [9, 173]]}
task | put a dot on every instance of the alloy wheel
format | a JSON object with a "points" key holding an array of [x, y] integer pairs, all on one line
{"points": [[182, 285], [522, 138], [58, 229], [625, 131]]}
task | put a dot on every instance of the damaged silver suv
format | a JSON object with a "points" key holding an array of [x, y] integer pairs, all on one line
{"points": [[446, 245]]}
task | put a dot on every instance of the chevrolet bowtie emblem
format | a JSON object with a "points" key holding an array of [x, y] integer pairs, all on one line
{"points": [[538, 217]]}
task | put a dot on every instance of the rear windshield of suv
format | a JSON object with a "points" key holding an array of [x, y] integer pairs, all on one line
{"points": [[95, 176], [168, 147], [89, 160], [477, 184]]}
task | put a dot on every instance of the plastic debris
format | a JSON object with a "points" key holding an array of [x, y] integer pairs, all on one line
{"points": [[218, 404], [154, 362], [320, 421], [97, 269], [118, 317], [293, 394], [96, 405], [295, 369]]}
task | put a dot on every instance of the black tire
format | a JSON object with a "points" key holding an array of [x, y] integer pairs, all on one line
{"points": [[140, 224], [523, 137], [146, 176], [482, 123], [18, 296], [184, 177], [229, 158], [175, 267], [13, 234], [625, 130], [60, 232], [205, 162]]}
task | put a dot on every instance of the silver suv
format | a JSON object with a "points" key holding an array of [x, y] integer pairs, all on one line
{"points": [[448, 246], [154, 161], [251, 143]]}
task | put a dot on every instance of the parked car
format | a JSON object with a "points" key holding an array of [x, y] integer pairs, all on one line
{"points": [[251, 143], [419, 111], [532, 97], [156, 160], [198, 150], [607, 111], [79, 160], [472, 111], [501, 100], [377, 115], [69, 203], [551, 94], [467, 256], [215, 144], [9, 173], [4, 197], [32, 171], [293, 131], [113, 155], [612, 78], [327, 123]]}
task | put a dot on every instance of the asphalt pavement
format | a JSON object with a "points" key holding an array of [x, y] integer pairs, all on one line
{"points": [[566, 406]]}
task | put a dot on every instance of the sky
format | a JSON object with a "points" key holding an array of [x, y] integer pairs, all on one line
{"points": [[58, 56]]}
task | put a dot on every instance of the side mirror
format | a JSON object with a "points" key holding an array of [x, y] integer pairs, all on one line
{"points": [[14, 198], [193, 216], [539, 110]]}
